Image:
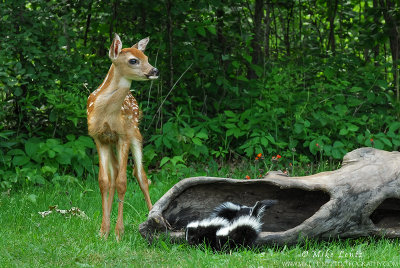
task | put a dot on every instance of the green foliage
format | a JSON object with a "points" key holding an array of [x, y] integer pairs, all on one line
{"points": [[229, 89], [40, 161], [332, 114], [177, 138]]}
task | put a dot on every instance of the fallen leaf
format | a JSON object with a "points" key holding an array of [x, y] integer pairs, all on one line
{"points": [[74, 211]]}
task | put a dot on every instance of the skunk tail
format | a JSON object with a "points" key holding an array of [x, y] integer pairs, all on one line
{"points": [[260, 207], [228, 211], [231, 211]]}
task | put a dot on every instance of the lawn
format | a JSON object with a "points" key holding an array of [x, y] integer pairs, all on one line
{"points": [[29, 240]]}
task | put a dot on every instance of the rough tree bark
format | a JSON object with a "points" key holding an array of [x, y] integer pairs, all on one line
{"points": [[169, 33], [362, 198], [88, 19], [256, 55], [376, 21], [332, 8], [267, 24], [113, 19]]}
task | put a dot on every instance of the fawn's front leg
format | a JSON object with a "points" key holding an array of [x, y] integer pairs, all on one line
{"points": [[112, 175], [121, 184], [105, 151]]}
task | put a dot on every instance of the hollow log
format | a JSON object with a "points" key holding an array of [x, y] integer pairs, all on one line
{"points": [[362, 198]]}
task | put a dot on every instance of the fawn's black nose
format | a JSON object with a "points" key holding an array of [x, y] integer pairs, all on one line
{"points": [[155, 72]]}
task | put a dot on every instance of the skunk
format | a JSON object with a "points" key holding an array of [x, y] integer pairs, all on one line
{"points": [[229, 224], [243, 231], [204, 231]]}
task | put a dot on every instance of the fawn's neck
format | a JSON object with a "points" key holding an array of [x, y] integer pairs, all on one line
{"points": [[112, 92]]}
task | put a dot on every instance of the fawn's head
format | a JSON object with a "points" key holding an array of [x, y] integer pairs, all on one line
{"points": [[132, 63]]}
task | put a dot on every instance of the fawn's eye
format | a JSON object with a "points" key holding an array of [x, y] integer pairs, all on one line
{"points": [[133, 61]]}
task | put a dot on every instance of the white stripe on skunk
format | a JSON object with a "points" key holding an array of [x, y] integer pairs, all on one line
{"points": [[198, 232]]}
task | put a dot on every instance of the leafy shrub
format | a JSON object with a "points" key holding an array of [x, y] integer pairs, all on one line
{"points": [[40, 161], [309, 101]]}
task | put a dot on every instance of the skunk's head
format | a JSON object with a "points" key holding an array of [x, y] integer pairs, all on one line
{"points": [[191, 231], [230, 211], [198, 232]]}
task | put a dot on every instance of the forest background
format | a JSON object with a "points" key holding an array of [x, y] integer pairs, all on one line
{"points": [[305, 80]]}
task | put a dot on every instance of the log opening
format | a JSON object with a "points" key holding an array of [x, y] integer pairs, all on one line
{"points": [[294, 207], [387, 214]]}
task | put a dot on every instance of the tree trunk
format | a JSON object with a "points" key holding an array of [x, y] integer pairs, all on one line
{"points": [[18, 108], [300, 25], [276, 33], [287, 30], [169, 32], [285, 24], [267, 23], [113, 19], [220, 35], [376, 21], [332, 8], [143, 18], [359, 199], [256, 55], [315, 22], [89, 16]]}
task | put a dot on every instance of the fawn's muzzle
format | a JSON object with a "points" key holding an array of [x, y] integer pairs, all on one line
{"points": [[153, 74]]}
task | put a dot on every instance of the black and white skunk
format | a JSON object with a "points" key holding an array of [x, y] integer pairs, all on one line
{"points": [[243, 231], [229, 223], [198, 232]]}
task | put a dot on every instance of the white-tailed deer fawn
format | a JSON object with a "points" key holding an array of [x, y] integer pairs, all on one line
{"points": [[113, 122]]}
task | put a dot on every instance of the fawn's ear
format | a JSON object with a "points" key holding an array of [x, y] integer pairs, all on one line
{"points": [[141, 45], [115, 48]]}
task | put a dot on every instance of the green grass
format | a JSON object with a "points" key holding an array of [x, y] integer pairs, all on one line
{"points": [[28, 240]]}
